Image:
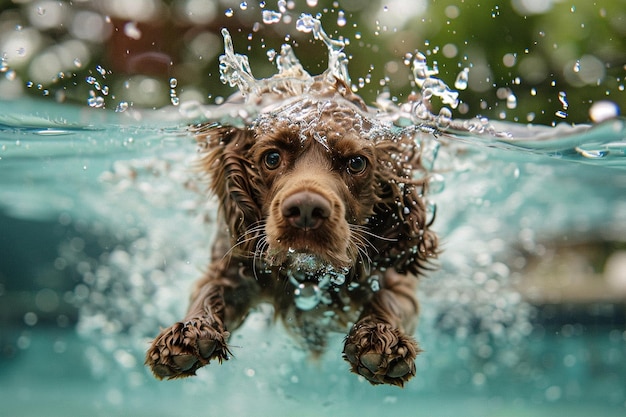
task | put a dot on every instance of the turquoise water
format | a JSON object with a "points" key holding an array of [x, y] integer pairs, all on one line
{"points": [[105, 230]]}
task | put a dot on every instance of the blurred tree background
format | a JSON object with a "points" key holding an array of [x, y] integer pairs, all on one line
{"points": [[539, 61]]}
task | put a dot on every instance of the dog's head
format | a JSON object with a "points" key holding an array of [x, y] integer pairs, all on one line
{"points": [[318, 175]]}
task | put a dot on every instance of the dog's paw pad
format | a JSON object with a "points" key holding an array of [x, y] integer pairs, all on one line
{"points": [[380, 353], [184, 347]]}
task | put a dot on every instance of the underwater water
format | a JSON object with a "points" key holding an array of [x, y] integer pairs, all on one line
{"points": [[116, 194], [102, 211]]}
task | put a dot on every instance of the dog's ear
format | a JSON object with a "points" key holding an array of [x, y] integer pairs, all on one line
{"points": [[231, 177], [400, 216]]}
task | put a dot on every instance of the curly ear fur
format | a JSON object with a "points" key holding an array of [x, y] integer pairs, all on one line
{"points": [[231, 177], [400, 216]]}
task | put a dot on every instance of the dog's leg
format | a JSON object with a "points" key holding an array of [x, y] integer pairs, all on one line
{"points": [[220, 301], [379, 345]]}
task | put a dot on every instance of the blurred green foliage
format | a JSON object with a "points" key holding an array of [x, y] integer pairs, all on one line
{"points": [[576, 47]]}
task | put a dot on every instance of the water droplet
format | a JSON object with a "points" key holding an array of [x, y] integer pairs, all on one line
{"points": [[282, 6], [462, 79], [121, 107], [132, 31], [311, 3], [577, 66], [173, 82], [444, 118], [560, 114], [229, 12], [563, 100], [271, 17], [11, 75], [341, 18], [603, 110], [511, 101], [243, 5]]}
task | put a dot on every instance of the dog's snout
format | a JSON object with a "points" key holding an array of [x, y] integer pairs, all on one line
{"points": [[306, 210]]}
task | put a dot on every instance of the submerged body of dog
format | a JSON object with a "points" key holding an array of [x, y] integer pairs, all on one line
{"points": [[322, 214]]}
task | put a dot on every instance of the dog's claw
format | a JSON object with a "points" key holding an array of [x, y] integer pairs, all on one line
{"points": [[206, 347], [372, 361], [400, 369], [185, 362]]}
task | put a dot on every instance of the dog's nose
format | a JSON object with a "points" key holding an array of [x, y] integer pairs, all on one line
{"points": [[306, 210]]}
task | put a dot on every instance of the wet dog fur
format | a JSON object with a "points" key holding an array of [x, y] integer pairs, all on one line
{"points": [[311, 190]]}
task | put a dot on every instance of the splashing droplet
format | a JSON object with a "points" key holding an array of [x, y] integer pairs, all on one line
{"points": [[563, 100], [511, 101], [270, 17], [121, 107], [341, 18], [462, 79], [444, 118]]}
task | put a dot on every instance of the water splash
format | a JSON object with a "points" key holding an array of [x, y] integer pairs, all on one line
{"points": [[293, 80], [235, 68]]}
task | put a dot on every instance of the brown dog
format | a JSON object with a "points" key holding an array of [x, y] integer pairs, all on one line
{"points": [[322, 214]]}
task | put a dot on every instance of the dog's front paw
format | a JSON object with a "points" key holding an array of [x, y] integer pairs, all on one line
{"points": [[186, 346], [381, 353]]}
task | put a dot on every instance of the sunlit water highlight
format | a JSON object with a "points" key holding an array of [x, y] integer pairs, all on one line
{"points": [[126, 176]]}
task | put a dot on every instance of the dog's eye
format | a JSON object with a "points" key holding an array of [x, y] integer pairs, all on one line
{"points": [[357, 165], [272, 160]]}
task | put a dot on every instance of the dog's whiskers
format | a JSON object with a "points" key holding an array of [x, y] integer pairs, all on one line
{"points": [[259, 251], [364, 230], [250, 235]]}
